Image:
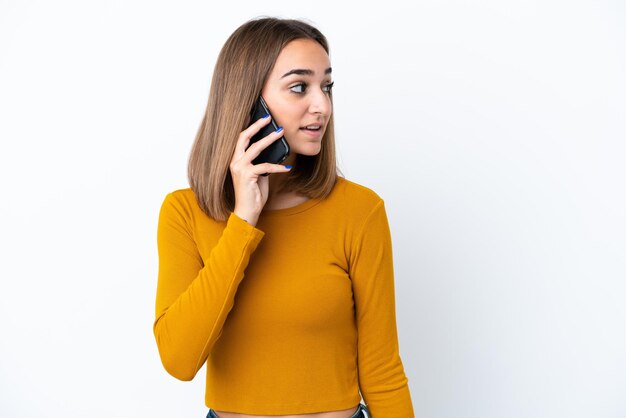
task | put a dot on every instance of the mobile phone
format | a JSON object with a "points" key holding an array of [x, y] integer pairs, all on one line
{"points": [[277, 151]]}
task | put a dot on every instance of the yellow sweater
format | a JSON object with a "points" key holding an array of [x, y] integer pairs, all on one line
{"points": [[292, 316]]}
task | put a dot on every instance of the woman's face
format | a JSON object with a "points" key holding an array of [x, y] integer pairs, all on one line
{"points": [[297, 94]]}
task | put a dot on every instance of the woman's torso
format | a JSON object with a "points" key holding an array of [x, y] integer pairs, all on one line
{"points": [[287, 200], [279, 203], [344, 413]]}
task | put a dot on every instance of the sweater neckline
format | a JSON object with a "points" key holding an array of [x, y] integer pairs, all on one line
{"points": [[291, 210]]}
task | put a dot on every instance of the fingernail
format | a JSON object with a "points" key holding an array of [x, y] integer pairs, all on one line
{"points": [[287, 166], [279, 129], [266, 116]]}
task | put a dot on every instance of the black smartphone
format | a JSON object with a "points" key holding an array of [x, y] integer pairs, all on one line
{"points": [[277, 151]]}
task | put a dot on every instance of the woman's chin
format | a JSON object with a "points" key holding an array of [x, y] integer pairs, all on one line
{"points": [[308, 149]]}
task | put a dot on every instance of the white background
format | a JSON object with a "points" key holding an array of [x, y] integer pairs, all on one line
{"points": [[494, 130]]}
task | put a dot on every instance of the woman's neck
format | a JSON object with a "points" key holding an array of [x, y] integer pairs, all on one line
{"points": [[278, 198], [277, 180]]}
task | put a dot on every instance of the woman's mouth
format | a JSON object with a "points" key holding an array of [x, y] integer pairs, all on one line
{"points": [[312, 130]]}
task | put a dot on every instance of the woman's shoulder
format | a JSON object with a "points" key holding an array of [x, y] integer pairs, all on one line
{"points": [[183, 195], [355, 193], [353, 200], [183, 201]]}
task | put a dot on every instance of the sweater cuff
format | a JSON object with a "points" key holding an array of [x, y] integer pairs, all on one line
{"points": [[237, 224]]}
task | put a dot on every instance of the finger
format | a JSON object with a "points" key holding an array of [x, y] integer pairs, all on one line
{"points": [[268, 168], [248, 133], [255, 149]]}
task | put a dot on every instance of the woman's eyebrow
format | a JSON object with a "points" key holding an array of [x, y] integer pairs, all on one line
{"points": [[305, 71]]}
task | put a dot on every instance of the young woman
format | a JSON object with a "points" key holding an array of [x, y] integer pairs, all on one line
{"points": [[281, 284]]}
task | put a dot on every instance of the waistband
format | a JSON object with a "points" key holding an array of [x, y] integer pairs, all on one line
{"points": [[361, 412]]}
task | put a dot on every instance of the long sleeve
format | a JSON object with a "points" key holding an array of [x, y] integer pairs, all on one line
{"points": [[195, 295], [382, 380]]}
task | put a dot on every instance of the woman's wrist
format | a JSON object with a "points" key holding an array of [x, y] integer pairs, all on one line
{"points": [[249, 218]]}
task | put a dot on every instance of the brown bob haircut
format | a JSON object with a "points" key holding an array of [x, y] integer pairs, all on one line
{"points": [[241, 70]]}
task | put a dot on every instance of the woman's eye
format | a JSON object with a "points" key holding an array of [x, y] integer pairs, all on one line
{"points": [[298, 85], [328, 87]]}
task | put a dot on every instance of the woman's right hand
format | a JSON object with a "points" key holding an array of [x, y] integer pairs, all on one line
{"points": [[251, 187]]}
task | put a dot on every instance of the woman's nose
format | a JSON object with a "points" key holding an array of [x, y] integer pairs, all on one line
{"points": [[320, 102]]}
